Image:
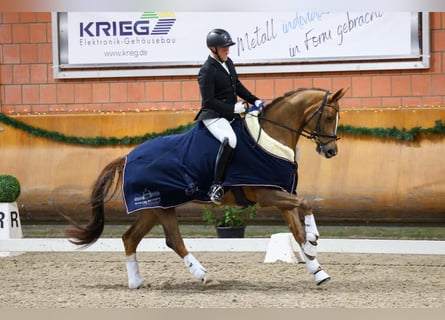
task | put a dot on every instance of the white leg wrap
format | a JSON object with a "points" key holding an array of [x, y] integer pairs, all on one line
{"points": [[135, 280], [309, 249], [311, 227], [311, 235], [196, 269]]}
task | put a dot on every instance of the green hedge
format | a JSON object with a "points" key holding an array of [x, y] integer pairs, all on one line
{"points": [[391, 133]]}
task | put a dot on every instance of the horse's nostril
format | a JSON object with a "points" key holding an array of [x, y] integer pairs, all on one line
{"points": [[331, 153]]}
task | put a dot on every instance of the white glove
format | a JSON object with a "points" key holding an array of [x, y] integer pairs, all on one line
{"points": [[257, 106], [259, 103], [239, 107]]}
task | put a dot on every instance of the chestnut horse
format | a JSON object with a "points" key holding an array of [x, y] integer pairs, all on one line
{"points": [[312, 113]]}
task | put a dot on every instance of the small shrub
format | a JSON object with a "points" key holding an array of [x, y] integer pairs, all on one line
{"points": [[231, 216], [9, 188]]}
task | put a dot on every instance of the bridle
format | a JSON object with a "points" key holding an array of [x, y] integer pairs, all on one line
{"points": [[315, 134]]}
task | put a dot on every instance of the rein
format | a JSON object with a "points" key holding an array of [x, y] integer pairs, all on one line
{"points": [[314, 134]]}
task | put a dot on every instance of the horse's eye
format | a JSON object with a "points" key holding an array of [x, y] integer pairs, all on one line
{"points": [[330, 118]]}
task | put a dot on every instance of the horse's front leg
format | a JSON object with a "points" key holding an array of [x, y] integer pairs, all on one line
{"points": [[308, 243], [174, 240], [289, 205], [310, 228]]}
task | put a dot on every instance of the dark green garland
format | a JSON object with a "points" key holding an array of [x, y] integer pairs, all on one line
{"points": [[93, 141], [393, 133]]}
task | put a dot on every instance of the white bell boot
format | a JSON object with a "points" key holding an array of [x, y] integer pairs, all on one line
{"points": [[313, 267], [135, 280], [196, 269]]}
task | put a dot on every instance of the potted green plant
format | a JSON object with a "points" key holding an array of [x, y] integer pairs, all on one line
{"points": [[9, 188], [9, 212], [229, 221]]}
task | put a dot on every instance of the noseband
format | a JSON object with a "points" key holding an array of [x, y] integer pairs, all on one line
{"points": [[315, 134]]}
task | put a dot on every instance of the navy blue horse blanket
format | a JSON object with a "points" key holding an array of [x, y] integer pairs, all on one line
{"points": [[171, 170]]}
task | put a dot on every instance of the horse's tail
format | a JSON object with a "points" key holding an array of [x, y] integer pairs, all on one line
{"points": [[87, 235]]}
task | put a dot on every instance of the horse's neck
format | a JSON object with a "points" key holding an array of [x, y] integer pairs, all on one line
{"points": [[291, 113]]}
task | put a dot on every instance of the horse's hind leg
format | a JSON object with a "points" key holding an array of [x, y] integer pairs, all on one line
{"points": [[131, 238], [174, 241]]}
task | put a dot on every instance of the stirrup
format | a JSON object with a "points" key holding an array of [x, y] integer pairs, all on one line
{"points": [[216, 193]]}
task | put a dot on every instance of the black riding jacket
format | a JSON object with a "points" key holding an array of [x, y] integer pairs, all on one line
{"points": [[219, 90]]}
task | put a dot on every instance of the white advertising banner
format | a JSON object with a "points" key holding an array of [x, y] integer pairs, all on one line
{"points": [[178, 38]]}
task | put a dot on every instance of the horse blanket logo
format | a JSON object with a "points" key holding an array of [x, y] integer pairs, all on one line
{"points": [[171, 170]]}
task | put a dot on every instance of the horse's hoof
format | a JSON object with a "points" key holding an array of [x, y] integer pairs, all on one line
{"points": [[321, 277], [136, 284], [208, 282]]}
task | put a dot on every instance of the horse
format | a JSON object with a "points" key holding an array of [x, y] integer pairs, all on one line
{"points": [[310, 112]]}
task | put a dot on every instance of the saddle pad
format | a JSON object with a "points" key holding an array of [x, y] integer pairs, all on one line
{"points": [[266, 141], [171, 170]]}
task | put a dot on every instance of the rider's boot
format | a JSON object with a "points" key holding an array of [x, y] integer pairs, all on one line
{"points": [[216, 191]]}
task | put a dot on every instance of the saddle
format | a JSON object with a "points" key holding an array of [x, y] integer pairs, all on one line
{"points": [[172, 170]]}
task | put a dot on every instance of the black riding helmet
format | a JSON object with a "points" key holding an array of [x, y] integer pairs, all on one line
{"points": [[219, 38]]}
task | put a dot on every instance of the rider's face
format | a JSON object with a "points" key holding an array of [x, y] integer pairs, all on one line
{"points": [[223, 52]]}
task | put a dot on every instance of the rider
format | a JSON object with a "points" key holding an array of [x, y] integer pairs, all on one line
{"points": [[219, 86]]}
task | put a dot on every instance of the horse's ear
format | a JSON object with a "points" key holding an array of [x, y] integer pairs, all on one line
{"points": [[339, 94]]}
